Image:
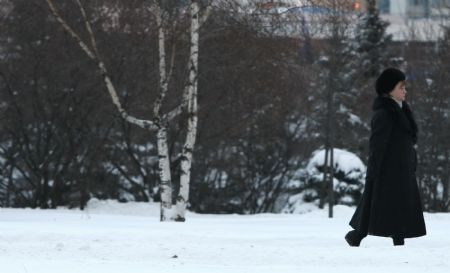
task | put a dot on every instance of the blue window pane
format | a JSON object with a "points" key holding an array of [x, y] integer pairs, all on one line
{"points": [[383, 6]]}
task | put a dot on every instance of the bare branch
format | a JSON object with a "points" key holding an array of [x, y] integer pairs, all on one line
{"points": [[145, 124], [172, 61], [154, 8], [69, 30], [88, 27], [175, 112], [206, 14]]}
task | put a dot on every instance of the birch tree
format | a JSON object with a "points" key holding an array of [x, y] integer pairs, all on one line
{"points": [[159, 121]]}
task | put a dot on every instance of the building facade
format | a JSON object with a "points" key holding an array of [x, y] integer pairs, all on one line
{"points": [[415, 8]]}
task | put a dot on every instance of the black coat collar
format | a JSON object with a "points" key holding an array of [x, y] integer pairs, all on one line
{"points": [[402, 115]]}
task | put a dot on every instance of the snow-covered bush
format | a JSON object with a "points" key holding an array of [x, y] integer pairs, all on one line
{"points": [[348, 181]]}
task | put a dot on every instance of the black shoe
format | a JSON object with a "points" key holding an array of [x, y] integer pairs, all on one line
{"points": [[354, 238], [398, 241]]}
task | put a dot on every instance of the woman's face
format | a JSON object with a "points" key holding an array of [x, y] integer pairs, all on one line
{"points": [[399, 92]]}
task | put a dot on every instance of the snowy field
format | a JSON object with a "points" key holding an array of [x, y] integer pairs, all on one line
{"points": [[127, 238]]}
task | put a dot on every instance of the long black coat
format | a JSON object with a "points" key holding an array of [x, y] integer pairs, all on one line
{"points": [[391, 205]]}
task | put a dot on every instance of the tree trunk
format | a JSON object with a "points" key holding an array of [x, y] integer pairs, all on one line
{"points": [[323, 190], [164, 175], [186, 158], [331, 187]]}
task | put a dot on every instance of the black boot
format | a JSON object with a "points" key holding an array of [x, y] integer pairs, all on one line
{"points": [[398, 241], [354, 238]]}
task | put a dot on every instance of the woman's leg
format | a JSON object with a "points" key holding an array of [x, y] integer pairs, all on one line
{"points": [[354, 237], [398, 241]]}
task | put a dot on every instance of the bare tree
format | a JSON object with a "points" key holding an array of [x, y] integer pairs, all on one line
{"points": [[159, 121]]}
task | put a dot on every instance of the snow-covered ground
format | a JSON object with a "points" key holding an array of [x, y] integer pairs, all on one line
{"points": [[127, 238]]}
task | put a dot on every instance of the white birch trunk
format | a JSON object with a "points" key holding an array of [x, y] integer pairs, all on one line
{"points": [[163, 80], [165, 176], [188, 148]]}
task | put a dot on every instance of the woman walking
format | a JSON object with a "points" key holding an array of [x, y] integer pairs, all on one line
{"points": [[390, 205]]}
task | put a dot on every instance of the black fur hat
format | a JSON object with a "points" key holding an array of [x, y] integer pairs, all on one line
{"points": [[388, 79]]}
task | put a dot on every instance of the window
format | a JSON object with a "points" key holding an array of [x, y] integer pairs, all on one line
{"points": [[419, 8], [440, 3], [422, 3], [383, 6]]}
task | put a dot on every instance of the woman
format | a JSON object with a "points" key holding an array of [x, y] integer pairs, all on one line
{"points": [[390, 205]]}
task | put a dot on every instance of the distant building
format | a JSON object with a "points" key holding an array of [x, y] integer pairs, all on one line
{"points": [[409, 20], [418, 20], [412, 8], [404, 8]]}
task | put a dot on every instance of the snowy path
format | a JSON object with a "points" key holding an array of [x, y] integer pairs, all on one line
{"points": [[114, 239]]}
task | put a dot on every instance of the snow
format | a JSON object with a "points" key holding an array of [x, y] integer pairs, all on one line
{"points": [[111, 237], [344, 161], [296, 204]]}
